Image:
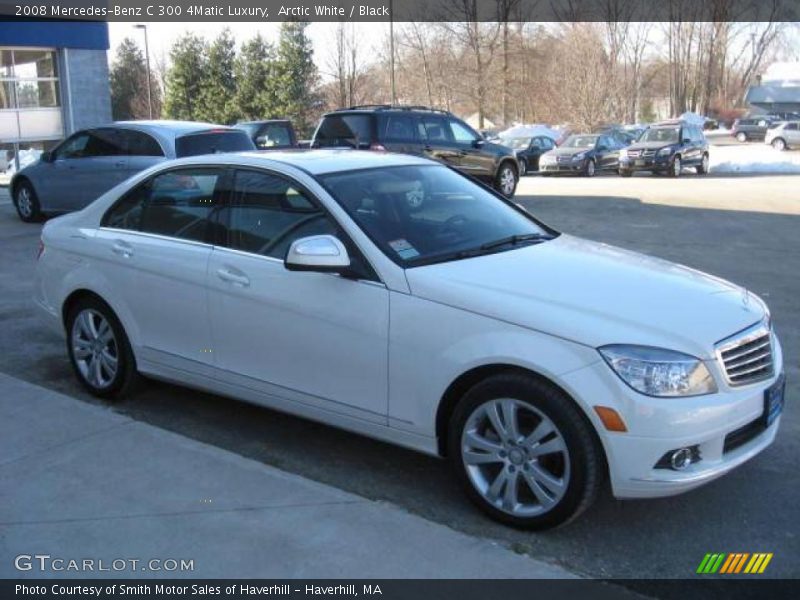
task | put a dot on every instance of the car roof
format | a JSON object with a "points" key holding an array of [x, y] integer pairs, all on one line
{"points": [[315, 162], [263, 122], [166, 127]]}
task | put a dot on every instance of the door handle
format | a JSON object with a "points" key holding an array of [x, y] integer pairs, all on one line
{"points": [[428, 148], [237, 278], [119, 164], [122, 248]]}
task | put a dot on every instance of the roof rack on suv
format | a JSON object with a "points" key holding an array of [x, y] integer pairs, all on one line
{"points": [[393, 107]]}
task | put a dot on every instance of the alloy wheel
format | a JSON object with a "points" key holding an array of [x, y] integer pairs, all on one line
{"points": [[704, 163], [515, 457], [590, 168], [94, 348], [676, 167], [507, 181], [779, 144], [741, 137], [25, 202]]}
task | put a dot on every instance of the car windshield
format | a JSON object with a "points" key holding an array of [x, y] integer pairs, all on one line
{"points": [[517, 143], [580, 141], [669, 135], [425, 214]]}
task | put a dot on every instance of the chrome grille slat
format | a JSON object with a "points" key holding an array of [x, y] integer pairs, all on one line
{"points": [[747, 356], [744, 352], [747, 360]]}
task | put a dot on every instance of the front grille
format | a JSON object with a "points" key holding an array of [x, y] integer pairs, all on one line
{"points": [[563, 159], [747, 356], [641, 153]]}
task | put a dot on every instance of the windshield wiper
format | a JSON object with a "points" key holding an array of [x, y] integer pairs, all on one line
{"points": [[514, 240]]}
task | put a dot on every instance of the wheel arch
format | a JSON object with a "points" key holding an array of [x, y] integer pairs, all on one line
{"points": [[507, 160], [16, 182], [464, 382], [77, 295]]}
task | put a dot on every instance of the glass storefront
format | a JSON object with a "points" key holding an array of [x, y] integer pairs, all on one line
{"points": [[31, 118]]}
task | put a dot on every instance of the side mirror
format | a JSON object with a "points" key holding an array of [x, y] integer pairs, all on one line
{"points": [[685, 141], [602, 148], [320, 253], [46, 156], [478, 143]]}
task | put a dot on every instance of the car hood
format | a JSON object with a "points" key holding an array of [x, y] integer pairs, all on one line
{"points": [[567, 151], [650, 145], [594, 294]]}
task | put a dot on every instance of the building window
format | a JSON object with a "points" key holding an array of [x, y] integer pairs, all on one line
{"points": [[31, 118]]}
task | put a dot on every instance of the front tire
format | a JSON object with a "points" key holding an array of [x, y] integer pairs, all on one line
{"points": [[625, 173], [99, 350], [675, 167], [27, 203], [523, 167], [591, 168], [506, 180], [524, 452], [702, 168], [779, 144]]}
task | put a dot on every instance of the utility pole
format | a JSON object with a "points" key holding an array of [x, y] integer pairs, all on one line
{"points": [[391, 48], [147, 60]]}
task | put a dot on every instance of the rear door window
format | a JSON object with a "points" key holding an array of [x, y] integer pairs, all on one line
{"points": [[274, 135], [435, 129], [137, 143], [213, 141], [176, 203], [398, 128], [349, 130]]}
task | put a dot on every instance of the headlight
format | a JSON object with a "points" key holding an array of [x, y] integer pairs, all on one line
{"points": [[579, 156], [623, 153], [659, 372], [665, 151]]}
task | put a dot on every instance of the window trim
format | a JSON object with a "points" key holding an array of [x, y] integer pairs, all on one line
{"points": [[151, 136], [342, 234]]}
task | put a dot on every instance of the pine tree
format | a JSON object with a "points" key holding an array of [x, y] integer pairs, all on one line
{"points": [[256, 80], [186, 77], [128, 81], [297, 76], [216, 103]]}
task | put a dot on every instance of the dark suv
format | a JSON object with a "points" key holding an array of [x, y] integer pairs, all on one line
{"points": [[666, 148], [422, 131], [751, 128]]}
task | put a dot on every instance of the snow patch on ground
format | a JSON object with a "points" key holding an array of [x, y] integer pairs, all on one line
{"points": [[753, 158]]}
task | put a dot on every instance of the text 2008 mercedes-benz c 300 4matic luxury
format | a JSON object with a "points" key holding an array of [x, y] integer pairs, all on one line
{"points": [[394, 297]]}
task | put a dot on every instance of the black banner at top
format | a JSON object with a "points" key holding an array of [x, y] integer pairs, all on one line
{"points": [[405, 10]]}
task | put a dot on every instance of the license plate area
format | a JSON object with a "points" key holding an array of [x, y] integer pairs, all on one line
{"points": [[640, 163], [773, 400]]}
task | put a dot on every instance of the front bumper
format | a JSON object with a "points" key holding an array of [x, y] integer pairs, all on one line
{"points": [[726, 428], [563, 167], [652, 163]]}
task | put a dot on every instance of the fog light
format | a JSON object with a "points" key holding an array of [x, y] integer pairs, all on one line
{"points": [[681, 459]]}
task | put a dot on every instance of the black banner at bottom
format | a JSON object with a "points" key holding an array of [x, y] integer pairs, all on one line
{"points": [[398, 589]]}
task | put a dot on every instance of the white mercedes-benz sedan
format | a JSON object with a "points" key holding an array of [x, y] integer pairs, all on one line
{"points": [[397, 298]]}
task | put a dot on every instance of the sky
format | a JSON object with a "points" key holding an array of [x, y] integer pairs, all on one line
{"points": [[162, 35]]}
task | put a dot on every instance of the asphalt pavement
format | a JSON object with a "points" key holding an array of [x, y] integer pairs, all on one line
{"points": [[708, 223]]}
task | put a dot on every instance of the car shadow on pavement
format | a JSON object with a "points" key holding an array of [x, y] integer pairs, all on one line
{"points": [[751, 509]]}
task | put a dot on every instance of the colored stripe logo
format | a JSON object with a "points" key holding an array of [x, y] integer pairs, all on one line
{"points": [[737, 562]]}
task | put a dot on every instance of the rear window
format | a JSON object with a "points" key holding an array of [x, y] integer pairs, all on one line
{"points": [[352, 131], [212, 142]]}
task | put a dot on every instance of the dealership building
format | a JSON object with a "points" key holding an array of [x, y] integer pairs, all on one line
{"points": [[53, 81]]}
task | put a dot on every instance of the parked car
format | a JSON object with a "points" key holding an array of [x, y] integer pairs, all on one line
{"points": [[784, 135], [621, 136], [270, 134], [529, 150], [751, 128], [92, 161], [421, 131], [539, 363], [582, 154], [666, 148]]}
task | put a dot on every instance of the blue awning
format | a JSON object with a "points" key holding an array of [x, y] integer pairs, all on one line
{"points": [[89, 35]]}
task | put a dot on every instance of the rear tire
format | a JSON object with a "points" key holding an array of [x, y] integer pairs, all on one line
{"points": [[741, 137], [503, 468], [779, 144], [27, 203], [625, 173], [675, 167], [99, 350]]}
